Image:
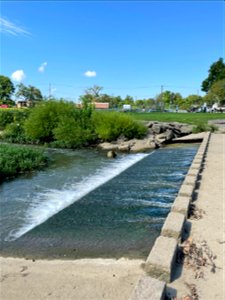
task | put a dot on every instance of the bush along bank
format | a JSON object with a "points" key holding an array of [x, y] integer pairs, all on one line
{"points": [[61, 124], [15, 160]]}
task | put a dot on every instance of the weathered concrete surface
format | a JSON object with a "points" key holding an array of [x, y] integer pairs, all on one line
{"points": [[211, 227], [173, 225], [79, 279], [194, 137], [186, 190], [190, 180], [161, 259], [197, 166], [181, 205], [193, 172], [149, 288]]}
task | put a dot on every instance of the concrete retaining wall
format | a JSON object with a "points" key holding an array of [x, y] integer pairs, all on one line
{"points": [[160, 262]]}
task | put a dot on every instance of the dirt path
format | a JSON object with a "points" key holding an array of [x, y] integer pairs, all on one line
{"points": [[208, 232]]}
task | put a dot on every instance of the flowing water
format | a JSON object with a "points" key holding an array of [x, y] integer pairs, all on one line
{"points": [[85, 205]]}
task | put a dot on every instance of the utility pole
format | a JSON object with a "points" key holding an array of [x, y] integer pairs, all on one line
{"points": [[49, 91], [161, 104]]}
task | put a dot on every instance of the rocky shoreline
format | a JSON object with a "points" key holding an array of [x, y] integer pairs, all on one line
{"points": [[159, 134]]}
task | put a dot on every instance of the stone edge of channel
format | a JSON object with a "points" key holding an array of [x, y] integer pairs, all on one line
{"points": [[152, 285]]}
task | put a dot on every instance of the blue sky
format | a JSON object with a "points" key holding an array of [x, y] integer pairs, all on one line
{"points": [[127, 47]]}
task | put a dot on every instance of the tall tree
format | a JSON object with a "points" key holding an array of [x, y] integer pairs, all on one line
{"points": [[94, 91], [6, 90], [193, 100], [29, 93], [216, 72], [216, 93]]}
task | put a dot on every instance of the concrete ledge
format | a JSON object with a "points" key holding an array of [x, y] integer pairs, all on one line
{"points": [[200, 152], [197, 162], [193, 172], [199, 157], [173, 226], [181, 205], [196, 166], [149, 288], [161, 259], [190, 180], [186, 190]]}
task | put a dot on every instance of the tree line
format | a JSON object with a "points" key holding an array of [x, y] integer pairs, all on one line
{"points": [[213, 86]]}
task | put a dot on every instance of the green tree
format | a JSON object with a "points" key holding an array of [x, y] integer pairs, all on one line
{"points": [[128, 100], [6, 90], [193, 100], [216, 93], [168, 99], [29, 93], [216, 72], [94, 91]]}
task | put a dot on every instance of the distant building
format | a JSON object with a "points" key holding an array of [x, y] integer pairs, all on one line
{"points": [[96, 105], [4, 106], [126, 107], [101, 105], [23, 103]]}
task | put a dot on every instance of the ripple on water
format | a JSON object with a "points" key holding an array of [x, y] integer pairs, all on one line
{"points": [[121, 208]]}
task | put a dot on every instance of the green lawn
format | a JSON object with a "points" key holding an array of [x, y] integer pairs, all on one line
{"points": [[189, 118]]}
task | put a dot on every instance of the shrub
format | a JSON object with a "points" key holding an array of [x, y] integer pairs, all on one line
{"points": [[60, 123], [43, 120], [11, 115], [71, 133], [18, 159], [14, 133], [110, 125]]}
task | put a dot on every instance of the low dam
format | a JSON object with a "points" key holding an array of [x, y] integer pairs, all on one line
{"points": [[154, 275], [91, 206]]}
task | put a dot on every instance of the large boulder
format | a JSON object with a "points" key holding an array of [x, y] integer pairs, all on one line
{"points": [[108, 146], [143, 145], [111, 154], [159, 133]]}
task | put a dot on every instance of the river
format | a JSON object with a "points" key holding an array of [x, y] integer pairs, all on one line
{"points": [[85, 205]]}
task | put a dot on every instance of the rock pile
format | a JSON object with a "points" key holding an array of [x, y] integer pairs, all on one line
{"points": [[159, 133]]}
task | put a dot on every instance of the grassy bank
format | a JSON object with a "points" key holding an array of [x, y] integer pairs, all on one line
{"points": [[15, 160], [189, 118]]}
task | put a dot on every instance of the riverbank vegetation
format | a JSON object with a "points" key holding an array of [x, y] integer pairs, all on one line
{"points": [[15, 160], [62, 124]]}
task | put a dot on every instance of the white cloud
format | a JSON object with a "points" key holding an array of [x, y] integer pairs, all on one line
{"points": [[11, 28], [18, 75], [90, 74], [42, 67]]}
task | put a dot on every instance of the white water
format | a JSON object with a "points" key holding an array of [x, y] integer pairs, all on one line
{"points": [[50, 202]]}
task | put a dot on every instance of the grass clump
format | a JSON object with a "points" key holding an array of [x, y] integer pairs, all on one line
{"points": [[202, 127], [15, 160]]}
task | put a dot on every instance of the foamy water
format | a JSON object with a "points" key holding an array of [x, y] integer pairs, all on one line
{"points": [[46, 204]]}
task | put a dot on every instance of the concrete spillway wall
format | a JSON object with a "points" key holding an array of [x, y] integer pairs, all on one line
{"points": [[161, 260]]}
